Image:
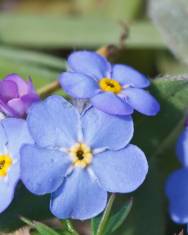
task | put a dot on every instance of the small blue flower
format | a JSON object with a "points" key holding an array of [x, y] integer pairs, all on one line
{"points": [[177, 183], [114, 89], [79, 158], [13, 133]]}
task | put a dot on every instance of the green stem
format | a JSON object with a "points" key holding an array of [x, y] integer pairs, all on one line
{"points": [[106, 215], [69, 227], [49, 89]]}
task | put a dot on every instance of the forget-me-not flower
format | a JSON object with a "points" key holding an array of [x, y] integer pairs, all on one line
{"points": [[114, 89], [13, 133], [16, 96], [177, 183], [78, 158]]}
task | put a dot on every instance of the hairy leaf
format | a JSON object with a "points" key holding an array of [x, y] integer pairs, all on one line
{"points": [[171, 16]]}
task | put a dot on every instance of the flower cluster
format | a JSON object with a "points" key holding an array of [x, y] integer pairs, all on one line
{"points": [[75, 155], [177, 183]]}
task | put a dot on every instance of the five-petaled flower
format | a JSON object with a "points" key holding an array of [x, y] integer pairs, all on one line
{"points": [[78, 158], [16, 96], [13, 133], [114, 89], [177, 183]]}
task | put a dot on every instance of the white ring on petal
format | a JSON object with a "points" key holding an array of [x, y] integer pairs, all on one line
{"points": [[99, 150]]}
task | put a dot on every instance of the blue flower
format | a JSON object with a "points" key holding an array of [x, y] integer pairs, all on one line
{"points": [[177, 183], [79, 158], [13, 133], [114, 89]]}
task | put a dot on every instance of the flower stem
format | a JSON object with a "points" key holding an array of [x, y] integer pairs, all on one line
{"points": [[49, 89], [69, 227], [106, 215]]}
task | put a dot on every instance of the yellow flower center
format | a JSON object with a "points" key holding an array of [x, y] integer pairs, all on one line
{"points": [[110, 85], [5, 163], [81, 155]]}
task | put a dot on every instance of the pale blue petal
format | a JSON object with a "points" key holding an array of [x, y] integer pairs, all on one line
{"points": [[3, 138], [141, 101], [127, 75], [17, 134], [89, 63], [43, 170], [13, 133], [110, 103], [182, 147], [78, 85], [7, 186], [121, 171], [104, 130], [54, 122], [81, 197], [177, 192]]}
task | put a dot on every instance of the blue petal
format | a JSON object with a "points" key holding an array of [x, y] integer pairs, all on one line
{"points": [[17, 134], [7, 187], [81, 197], [126, 75], [3, 138], [54, 122], [43, 170], [78, 85], [104, 130], [110, 103], [182, 147], [121, 171], [141, 101], [13, 133], [177, 192], [89, 63]]}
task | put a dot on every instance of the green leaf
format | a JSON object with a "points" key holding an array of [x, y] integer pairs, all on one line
{"points": [[156, 136], [95, 223], [119, 217], [38, 59], [41, 68], [40, 227], [116, 219], [42, 31]]}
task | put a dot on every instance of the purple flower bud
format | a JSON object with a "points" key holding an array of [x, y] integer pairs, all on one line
{"points": [[16, 96]]}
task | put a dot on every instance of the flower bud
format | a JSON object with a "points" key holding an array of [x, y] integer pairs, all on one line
{"points": [[16, 96]]}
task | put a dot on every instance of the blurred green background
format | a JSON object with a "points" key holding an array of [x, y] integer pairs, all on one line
{"points": [[37, 35], [56, 27]]}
